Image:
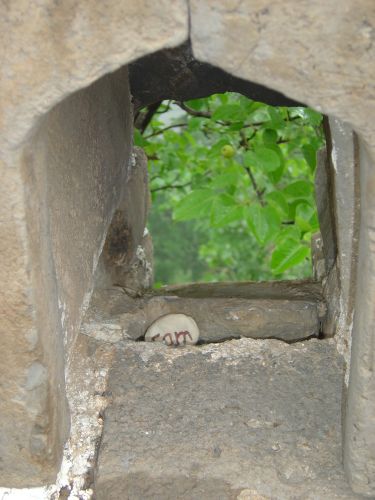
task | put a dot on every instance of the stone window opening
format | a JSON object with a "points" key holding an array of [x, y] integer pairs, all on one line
{"points": [[287, 310], [88, 193]]}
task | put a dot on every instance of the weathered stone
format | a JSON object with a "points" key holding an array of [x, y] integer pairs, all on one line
{"points": [[220, 319], [121, 252], [176, 74], [359, 443], [309, 59], [312, 61], [345, 176], [173, 329], [322, 56], [74, 167], [214, 421], [62, 172], [324, 196], [114, 315], [279, 290], [317, 257]]}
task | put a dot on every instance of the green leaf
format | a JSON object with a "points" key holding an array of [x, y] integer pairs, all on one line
{"points": [[264, 222], [298, 189], [229, 178], [291, 231], [195, 205], [222, 215], [229, 112], [262, 158], [288, 254], [196, 104], [267, 158], [235, 127], [278, 201], [313, 117], [194, 124], [304, 213], [309, 153], [269, 136]]}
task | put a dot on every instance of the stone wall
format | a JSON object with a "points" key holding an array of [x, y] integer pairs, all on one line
{"points": [[64, 155], [62, 173]]}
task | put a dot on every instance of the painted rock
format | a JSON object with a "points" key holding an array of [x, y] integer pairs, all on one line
{"points": [[173, 330]]}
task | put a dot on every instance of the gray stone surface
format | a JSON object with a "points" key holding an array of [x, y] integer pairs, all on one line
{"points": [[324, 197], [323, 56], [345, 177], [309, 59], [126, 232], [233, 420], [308, 290], [359, 447], [113, 314], [74, 168], [62, 154]]}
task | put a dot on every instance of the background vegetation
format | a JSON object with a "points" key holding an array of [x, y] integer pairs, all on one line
{"points": [[232, 189]]}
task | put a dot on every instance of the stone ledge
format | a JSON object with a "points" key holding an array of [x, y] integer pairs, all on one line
{"points": [[113, 315], [221, 420]]}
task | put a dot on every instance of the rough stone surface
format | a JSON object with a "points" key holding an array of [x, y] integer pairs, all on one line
{"points": [[220, 319], [359, 444], [55, 49], [223, 421], [176, 74], [58, 187], [331, 69], [73, 166], [113, 315], [280, 290], [127, 231], [345, 177], [309, 60], [324, 196], [322, 56]]}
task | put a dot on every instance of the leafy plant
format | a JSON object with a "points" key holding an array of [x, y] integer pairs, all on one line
{"points": [[239, 175]]}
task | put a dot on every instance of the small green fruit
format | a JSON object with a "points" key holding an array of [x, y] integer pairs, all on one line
{"points": [[227, 151]]}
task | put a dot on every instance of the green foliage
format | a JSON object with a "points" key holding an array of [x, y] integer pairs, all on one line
{"points": [[232, 188]]}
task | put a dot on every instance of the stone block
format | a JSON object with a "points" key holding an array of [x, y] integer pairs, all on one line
{"points": [[218, 421], [324, 196], [345, 177], [359, 431], [113, 315], [309, 59], [74, 167], [64, 144], [312, 61], [126, 236]]}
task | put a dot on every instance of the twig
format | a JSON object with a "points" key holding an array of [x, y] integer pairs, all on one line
{"points": [[162, 130], [258, 192], [170, 186], [255, 186], [167, 108], [143, 119], [193, 112]]}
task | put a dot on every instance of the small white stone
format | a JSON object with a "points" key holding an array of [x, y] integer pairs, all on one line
{"points": [[173, 330]]}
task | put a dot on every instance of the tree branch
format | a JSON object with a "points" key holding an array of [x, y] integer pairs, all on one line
{"points": [[162, 130], [193, 112], [255, 186], [258, 192], [143, 118], [170, 186]]}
